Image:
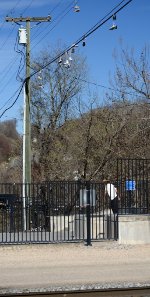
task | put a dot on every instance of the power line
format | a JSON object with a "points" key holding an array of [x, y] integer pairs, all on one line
{"points": [[48, 24], [88, 33], [57, 5], [10, 99], [99, 22], [12, 9], [22, 58], [53, 27], [8, 81], [103, 21], [68, 12], [105, 87], [10, 12], [5, 41], [27, 7], [8, 67], [59, 17], [14, 100]]}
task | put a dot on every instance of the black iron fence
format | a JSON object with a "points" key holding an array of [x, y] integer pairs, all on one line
{"points": [[133, 183], [55, 212], [70, 211]]}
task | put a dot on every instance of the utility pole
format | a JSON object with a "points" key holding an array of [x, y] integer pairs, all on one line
{"points": [[27, 132], [27, 124]]}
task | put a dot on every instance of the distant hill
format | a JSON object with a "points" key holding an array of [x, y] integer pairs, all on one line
{"points": [[9, 139]]}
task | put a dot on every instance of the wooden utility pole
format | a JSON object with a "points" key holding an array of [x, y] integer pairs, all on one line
{"points": [[27, 124], [27, 128]]}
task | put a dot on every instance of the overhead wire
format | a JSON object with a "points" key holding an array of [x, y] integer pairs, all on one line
{"points": [[105, 87], [56, 6], [12, 9], [20, 90], [5, 41], [7, 68], [40, 22], [85, 35], [36, 35], [27, 7], [116, 90], [103, 21], [13, 29], [114, 8], [20, 68], [52, 27], [17, 74], [88, 33], [8, 71], [10, 98], [59, 17], [12, 62], [8, 81], [10, 12]]}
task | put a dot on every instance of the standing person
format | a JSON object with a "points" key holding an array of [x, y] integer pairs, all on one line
{"points": [[111, 191]]}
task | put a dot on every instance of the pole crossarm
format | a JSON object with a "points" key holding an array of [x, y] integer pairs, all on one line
{"points": [[30, 19]]}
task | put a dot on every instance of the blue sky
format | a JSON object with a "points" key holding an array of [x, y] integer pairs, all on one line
{"points": [[133, 28]]}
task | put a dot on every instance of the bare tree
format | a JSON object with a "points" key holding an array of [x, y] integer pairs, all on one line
{"points": [[70, 138], [132, 76], [54, 91]]}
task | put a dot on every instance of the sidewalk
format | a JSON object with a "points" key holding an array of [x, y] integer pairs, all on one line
{"points": [[73, 266]]}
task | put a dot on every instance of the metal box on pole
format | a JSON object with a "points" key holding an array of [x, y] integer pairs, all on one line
{"points": [[22, 36]]}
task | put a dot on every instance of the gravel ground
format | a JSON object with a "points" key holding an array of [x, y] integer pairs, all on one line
{"points": [[62, 266]]}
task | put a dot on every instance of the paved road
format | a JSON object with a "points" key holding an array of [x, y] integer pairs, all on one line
{"points": [[62, 265]]}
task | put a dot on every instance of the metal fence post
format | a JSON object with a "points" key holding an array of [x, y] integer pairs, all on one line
{"points": [[88, 219]]}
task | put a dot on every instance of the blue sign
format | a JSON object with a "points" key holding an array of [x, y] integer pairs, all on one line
{"points": [[130, 185]]}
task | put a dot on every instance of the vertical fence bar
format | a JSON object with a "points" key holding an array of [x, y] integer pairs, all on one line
{"points": [[88, 216], [147, 187]]}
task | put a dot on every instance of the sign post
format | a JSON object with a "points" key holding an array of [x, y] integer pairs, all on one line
{"points": [[87, 200]]}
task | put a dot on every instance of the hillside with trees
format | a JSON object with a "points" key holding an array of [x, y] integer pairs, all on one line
{"points": [[69, 139]]}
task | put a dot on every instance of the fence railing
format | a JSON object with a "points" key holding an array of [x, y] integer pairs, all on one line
{"points": [[54, 211], [61, 211], [133, 182]]}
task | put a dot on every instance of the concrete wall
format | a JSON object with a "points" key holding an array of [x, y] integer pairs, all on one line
{"points": [[134, 229]]}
